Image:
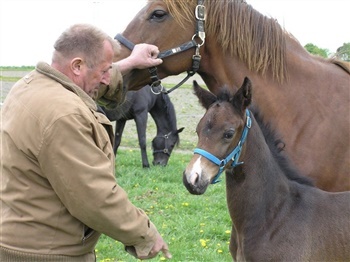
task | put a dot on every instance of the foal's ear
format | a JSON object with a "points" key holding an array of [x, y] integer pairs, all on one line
{"points": [[205, 97], [243, 96]]}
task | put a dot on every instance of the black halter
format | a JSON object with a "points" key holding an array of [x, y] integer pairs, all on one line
{"points": [[166, 149], [200, 14]]}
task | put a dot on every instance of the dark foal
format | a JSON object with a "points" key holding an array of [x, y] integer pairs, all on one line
{"points": [[137, 105], [277, 214]]}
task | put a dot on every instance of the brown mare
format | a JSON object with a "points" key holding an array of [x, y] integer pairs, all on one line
{"points": [[277, 215], [305, 98]]}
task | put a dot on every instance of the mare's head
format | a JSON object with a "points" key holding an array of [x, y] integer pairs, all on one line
{"points": [[172, 26], [219, 132]]}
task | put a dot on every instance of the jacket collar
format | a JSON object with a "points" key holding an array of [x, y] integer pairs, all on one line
{"points": [[49, 71]]}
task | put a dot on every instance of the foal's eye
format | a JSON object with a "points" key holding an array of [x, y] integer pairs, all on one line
{"points": [[158, 15], [229, 134]]}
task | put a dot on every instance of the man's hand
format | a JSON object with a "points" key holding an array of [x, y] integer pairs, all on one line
{"points": [[142, 56], [160, 245]]}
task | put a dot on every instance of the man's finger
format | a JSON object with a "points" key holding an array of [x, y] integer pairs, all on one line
{"points": [[166, 253]]}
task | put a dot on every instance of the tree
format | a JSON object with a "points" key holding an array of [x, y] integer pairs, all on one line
{"points": [[315, 50], [343, 52]]}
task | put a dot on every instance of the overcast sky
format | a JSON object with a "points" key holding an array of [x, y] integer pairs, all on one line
{"points": [[28, 28]]}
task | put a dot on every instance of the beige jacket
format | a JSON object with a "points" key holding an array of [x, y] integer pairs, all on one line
{"points": [[58, 191]]}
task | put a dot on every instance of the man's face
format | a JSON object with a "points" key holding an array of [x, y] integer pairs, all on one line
{"points": [[92, 78]]}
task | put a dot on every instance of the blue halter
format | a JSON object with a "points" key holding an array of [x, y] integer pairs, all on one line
{"points": [[234, 155]]}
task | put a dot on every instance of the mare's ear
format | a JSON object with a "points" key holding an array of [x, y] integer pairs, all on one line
{"points": [[205, 97], [243, 96]]}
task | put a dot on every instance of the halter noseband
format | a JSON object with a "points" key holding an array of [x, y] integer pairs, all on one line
{"points": [[234, 155], [166, 148], [200, 14]]}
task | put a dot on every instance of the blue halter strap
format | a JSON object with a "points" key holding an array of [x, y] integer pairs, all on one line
{"points": [[234, 155]]}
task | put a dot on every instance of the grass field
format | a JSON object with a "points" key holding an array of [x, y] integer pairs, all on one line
{"points": [[197, 228]]}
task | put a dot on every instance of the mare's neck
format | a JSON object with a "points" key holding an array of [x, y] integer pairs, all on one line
{"points": [[313, 93]]}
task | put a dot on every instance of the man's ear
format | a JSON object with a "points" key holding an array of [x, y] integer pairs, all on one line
{"points": [[76, 65]]}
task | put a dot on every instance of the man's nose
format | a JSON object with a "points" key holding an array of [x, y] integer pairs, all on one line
{"points": [[106, 78]]}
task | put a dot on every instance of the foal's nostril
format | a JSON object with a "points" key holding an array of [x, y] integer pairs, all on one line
{"points": [[194, 178], [197, 178]]}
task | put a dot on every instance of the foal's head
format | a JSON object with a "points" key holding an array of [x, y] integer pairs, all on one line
{"points": [[219, 132]]}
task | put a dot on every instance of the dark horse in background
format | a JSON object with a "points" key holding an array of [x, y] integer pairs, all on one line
{"points": [[304, 97], [137, 105], [277, 214]]}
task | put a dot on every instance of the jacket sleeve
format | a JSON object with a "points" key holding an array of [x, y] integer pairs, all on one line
{"points": [[112, 95], [73, 157]]}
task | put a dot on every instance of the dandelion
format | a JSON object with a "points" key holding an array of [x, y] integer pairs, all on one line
{"points": [[228, 231], [220, 251], [185, 204], [203, 242]]}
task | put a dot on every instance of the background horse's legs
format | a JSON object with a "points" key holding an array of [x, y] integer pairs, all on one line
{"points": [[119, 128], [141, 125]]}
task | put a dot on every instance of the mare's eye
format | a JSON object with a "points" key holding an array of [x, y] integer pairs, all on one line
{"points": [[158, 15], [229, 134]]}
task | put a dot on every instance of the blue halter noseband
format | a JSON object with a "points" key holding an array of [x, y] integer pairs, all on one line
{"points": [[234, 155]]}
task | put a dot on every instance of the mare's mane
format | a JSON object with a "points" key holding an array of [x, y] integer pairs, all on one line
{"points": [[274, 143], [257, 40]]}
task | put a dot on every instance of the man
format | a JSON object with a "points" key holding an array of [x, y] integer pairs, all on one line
{"points": [[58, 192]]}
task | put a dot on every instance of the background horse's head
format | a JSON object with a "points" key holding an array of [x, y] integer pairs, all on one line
{"points": [[164, 115], [219, 132], [163, 145]]}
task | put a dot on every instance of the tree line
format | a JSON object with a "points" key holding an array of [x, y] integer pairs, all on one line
{"points": [[342, 53]]}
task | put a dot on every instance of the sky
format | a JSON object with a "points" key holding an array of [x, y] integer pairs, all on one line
{"points": [[29, 28]]}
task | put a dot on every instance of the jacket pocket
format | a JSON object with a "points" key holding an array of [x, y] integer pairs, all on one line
{"points": [[87, 234]]}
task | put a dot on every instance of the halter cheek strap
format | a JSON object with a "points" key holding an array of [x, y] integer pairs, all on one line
{"points": [[233, 156]]}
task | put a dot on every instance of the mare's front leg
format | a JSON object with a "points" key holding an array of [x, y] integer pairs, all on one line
{"points": [[141, 125], [119, 128]]}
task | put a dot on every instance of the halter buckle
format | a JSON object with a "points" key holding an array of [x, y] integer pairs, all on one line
{"points": [[200, 13]]}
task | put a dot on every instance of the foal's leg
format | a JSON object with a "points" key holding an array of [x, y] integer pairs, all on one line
{"points": [[233, 243], [119, 128], [141, 125]]}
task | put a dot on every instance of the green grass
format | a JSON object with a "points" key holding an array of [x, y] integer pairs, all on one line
{"points": [[196, 228], [16, 68]]}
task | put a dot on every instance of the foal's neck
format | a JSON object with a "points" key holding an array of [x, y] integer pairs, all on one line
{"points": [[256, 186]]}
